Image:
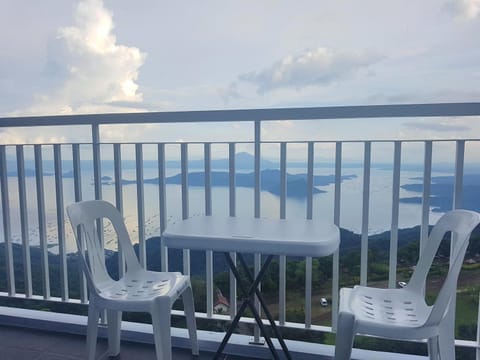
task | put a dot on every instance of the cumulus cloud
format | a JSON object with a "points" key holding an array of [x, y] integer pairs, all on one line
{"points": [[466, 9], [97, 73], [318, 67], [439, 125]]}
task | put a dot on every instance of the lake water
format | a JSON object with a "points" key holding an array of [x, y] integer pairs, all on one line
{"points": [[350, 216]]}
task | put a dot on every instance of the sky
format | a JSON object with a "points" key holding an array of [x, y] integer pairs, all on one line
{"points": [[104, 56]]}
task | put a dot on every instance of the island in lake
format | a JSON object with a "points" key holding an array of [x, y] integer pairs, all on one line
{"points": [[269, 181], [441, 190]]}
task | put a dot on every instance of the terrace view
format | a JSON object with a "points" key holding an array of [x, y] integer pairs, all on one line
{"points": [[255, 112], [39, 180]]}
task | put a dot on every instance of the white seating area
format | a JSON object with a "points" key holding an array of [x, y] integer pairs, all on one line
{"points": [[401, 314]]}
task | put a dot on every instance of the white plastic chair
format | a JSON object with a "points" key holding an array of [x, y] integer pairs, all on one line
{"points": [[137, 291], [403, 313]]}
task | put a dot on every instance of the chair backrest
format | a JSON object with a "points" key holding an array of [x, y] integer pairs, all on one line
{"points": [[83, 216], [461, 224]]}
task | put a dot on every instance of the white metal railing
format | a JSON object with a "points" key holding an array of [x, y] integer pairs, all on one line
{"points": [[257, 117]]}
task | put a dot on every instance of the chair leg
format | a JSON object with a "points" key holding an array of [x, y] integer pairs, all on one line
{"points": [[345, 336], [114, 320], [446, 338], [433, 348], [161, 328], [189, 309], [92, 331]]}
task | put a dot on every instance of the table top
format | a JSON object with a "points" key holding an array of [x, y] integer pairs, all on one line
{"points": [[293, 237]]}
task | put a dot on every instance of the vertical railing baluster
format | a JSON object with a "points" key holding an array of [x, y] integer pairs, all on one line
{"points": [[310, 156], [117, 165], [42, 228], [162, 203], [208, 212], [142, 251], [258, 175], [392, 272], [477, 351], [336, 220], [459, 166], [22, 197], [97, 175], [457, 204], [427, 179], [97, 181], [208, 178], [282, 285], [7, 233], [308, 259], [257, 170], [231, 180], [232, 212], [77, 184], [365, 213], [185, 209], [62, 253]]}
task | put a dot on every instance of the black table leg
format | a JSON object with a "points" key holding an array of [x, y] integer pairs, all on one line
{"points": [[265, 308], [249, 302]]}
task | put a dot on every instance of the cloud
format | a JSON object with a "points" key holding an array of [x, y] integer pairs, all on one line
{"points": [[93, 73], [439, 125], [318, 67], [465, 9], [229, 92]]}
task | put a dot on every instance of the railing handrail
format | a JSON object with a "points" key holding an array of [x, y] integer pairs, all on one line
{"points": [[302, 113]]}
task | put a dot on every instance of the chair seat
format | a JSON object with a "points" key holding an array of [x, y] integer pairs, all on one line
{"points": [[143, 286], [379, 311]]}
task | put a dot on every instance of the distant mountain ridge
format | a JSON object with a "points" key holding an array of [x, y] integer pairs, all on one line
{"points": [[243, 161]]}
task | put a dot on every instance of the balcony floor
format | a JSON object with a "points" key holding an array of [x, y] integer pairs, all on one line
{"points": [[18, 343]]}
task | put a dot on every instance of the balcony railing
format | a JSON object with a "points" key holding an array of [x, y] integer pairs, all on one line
{"points": [[33, 202]]}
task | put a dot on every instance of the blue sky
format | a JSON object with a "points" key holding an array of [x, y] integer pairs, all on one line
{"points": [[90, 56]]}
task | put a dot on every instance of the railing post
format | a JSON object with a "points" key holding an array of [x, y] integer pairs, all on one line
{"points": [[427, 180], [22, 197], [7, 233], [77, 183], [308, 259], [42, 228], [365, 213], [97, 174], [392, 275], [336, 220], [162, 203], [142, 251], [62, 251], [185, 203], [117, 164], [459, 166], [283, 213], [232, 212], [457, 204], [257, 257], [208, 212]]}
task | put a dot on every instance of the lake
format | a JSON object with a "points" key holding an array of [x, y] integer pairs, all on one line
{"points": [[350, 216]]}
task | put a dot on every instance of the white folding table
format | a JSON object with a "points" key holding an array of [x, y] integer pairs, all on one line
{"points": [[292, 237]]}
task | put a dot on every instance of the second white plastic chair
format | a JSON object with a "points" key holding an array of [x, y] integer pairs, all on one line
{"points": [[138, 290], [403, 313]]}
